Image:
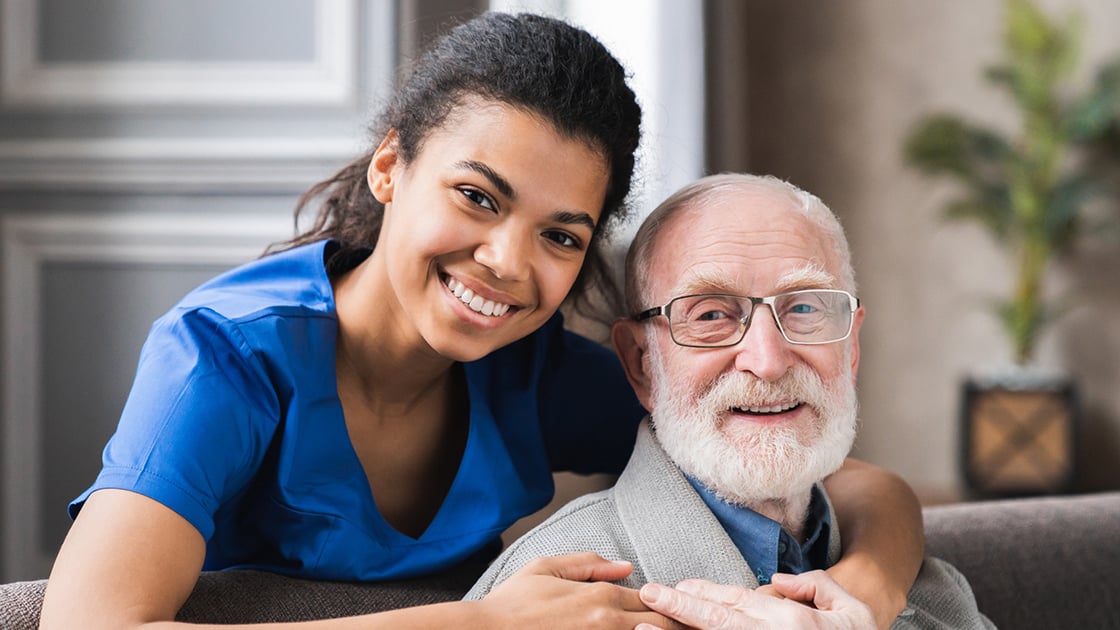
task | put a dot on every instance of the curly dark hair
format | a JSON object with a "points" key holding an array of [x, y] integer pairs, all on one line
{"points": [[539, 64]]}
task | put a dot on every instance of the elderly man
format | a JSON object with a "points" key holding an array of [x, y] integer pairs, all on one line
{"points": [[752, 403]]}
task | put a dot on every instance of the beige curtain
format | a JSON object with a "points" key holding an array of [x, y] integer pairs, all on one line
{"points": [[726, 113]]}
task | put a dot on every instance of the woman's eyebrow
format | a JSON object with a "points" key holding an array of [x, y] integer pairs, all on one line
{"points": [[499, 182], [574, 218], [570, 217]]}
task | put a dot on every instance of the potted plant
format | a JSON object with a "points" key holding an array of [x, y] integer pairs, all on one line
{"points": [[1030, 191]]}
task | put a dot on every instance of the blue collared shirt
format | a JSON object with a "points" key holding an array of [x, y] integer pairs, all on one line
{"points": [[766, 547]]}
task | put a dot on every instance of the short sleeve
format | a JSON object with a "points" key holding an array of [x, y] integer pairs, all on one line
{"points": [[589, 413], [198, 420]]}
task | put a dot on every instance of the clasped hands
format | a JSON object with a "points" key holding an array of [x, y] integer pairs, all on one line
{"points": [[583, 597], [808, 600]]}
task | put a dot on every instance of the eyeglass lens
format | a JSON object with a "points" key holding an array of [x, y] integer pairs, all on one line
{"points": [[803, 317]]}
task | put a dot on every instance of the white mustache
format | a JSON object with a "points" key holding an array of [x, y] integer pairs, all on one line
{"points": [[743, 390]]}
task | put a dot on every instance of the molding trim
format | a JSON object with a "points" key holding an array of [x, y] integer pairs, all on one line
{"points": [[329, 79], [28, 243], [288, 165]]}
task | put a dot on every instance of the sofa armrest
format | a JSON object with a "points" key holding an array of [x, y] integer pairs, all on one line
{"points": [[1035, 563]]}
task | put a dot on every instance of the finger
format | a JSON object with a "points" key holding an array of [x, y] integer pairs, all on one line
{"points": [[580, 567], [813, 586], [630, 600], [770, 591], [718, 593], [798, 587], [693, 610]]}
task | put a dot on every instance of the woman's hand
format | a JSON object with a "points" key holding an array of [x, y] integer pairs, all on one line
{"points": [[813, 600], [570, 591]]}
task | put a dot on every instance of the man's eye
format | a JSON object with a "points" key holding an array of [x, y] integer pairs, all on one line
{"points": [[711, 316], [802, 309], [478, 198]]}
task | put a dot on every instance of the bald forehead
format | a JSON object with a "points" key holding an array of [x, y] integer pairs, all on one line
{"points": [[743, 236]]}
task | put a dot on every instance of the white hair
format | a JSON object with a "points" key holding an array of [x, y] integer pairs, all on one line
{"points": [[699, 194]]}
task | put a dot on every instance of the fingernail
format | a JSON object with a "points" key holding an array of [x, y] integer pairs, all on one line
{"points": [[651, 592], [781, 577]]}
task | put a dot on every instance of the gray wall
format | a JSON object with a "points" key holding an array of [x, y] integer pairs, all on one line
{"points": [[146, 145]]}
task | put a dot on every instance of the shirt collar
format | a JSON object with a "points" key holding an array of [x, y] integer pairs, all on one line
{"points": [[765, 546]]}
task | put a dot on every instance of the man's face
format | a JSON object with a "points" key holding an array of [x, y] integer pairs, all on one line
{"points": [[763, 419]]}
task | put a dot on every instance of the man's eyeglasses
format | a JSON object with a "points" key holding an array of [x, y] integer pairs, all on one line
{"points": [[813, 316]]}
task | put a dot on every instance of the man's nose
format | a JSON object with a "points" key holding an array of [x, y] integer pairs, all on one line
{"points": [[506, 253], [763, 351]]}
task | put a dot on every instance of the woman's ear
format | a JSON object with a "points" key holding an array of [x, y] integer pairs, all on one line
{"points": [[629, 339], [380, 175]]}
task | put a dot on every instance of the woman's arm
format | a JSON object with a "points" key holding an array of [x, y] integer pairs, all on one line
{"points": [[126, 561], [880, 521], [130, 562]]}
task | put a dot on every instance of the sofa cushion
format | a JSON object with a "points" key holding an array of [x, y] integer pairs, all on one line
{"points": [[1035, 563]]}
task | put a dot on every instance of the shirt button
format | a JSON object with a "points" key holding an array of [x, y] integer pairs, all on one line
{"points": [[781, 547]]}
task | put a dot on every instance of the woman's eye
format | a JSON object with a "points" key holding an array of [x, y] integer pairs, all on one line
{"points": [[478, 198], [563, 239]]}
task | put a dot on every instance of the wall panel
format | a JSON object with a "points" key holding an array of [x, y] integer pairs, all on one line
{"points": [[146, 145]]}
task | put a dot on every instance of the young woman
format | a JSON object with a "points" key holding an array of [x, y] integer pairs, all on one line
{"points": [[384, 397]]}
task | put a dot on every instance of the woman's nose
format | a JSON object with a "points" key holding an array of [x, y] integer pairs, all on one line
{"points": [[505, 253]]}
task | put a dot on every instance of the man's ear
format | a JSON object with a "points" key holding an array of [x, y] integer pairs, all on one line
{"points": [[629, 339], [381, 171], [857, 321]]}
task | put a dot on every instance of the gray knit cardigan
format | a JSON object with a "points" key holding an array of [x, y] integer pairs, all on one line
{"points": [[654, 519]]}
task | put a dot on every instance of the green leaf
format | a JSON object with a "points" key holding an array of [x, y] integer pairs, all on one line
{"points": [[1090, 118], [997, 218], [1063, 207], [1028, 29], [946, 144]]}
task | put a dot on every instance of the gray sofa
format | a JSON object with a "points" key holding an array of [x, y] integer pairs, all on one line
{"points": [[1033, 563]]}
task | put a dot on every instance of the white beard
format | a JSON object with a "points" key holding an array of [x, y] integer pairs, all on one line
{"points": [[751, 464]]}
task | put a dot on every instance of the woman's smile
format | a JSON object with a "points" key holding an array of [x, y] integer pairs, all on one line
{"points": [[475, 301]]}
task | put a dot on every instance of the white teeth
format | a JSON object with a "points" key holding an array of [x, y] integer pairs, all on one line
{"points": [[476, 302], [771, 409]]}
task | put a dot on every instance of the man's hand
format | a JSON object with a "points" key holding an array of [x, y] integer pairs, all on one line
{"points": [[710, 606]]}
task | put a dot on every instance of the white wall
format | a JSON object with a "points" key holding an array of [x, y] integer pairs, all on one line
{"points": [[660, 42]]}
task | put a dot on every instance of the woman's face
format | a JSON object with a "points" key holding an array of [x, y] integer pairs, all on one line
{"points": [[486, 229]]}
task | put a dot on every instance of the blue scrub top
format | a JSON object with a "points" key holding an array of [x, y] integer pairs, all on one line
{"points": [[234, 422]]}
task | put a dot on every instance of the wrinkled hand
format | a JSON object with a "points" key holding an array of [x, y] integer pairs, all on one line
{"points": [[710, 606], [570, 591]]}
